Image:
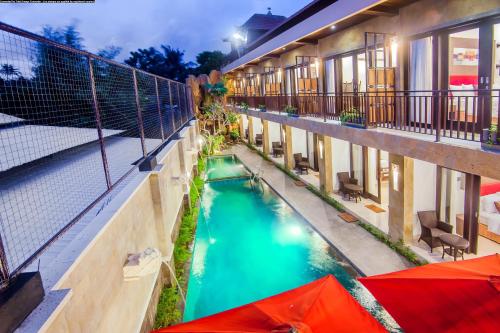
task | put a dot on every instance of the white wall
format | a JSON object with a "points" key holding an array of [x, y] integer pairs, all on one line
{"points": [[424, 190], [257, 126], [245, 124], [299, 141], [274, 132], [340, 156]]}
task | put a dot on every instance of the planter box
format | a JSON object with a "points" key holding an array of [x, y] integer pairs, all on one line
{"points": [[262, 110], [354, 125], [490, 147], [293, 115]]}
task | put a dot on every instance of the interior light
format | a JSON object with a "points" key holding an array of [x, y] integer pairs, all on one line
{"points": [[284, 48], [333, 27]]}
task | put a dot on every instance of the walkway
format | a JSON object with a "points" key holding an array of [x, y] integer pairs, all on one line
{"points": [[366, 252]]}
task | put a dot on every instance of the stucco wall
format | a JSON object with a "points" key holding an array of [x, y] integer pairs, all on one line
{"points": [[142, 215]]}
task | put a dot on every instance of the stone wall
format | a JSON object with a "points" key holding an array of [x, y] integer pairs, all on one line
{"points": [[143, 215]]}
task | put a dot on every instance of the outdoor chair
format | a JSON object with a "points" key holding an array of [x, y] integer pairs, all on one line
{"points": [[277, 149], [301, 163], [432, 228], [344, 178], [258, 139]]}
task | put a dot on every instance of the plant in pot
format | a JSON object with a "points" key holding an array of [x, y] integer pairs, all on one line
{"points": [[262, 108], [489, 140], [291, 111], [244, 106], [351, 117]]}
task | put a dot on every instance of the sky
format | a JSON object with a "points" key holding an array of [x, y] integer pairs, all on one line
{"points": [[190, 25]]}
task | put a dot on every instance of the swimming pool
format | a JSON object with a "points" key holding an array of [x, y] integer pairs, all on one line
{"points": [[250, 244], [224, 167]]}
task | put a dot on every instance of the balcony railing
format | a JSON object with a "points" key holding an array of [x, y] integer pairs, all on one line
{"points": [[444, 113]]}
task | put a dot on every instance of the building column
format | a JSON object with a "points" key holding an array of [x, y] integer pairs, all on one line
{"points": [[251, 138], [287, 147], [325, 164], [265, 136], [471, 210], [400, 198], [241, 128]]}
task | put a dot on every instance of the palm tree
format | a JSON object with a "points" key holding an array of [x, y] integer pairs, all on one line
{"points": [[8, 71]]}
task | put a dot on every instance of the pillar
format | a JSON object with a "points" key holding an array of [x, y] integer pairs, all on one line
{"points": [[251, 138], [242, 128], [325, 164], [287, 147], [471, 210], [265, 137], [401, 213]]}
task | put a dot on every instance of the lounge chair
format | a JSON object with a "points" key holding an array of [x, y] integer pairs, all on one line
{"points": [[301, 163], [432, 228], [344, 178], [277, 149], [258, 139]]}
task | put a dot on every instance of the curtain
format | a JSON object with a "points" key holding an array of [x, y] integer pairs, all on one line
{"points": [[420, 78]]}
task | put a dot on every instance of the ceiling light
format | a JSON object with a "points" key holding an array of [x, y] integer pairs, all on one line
{"points": [[333, 27]]}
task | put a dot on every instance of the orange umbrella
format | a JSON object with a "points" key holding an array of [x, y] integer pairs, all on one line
{"points": [[458, 296], [320, 306]]}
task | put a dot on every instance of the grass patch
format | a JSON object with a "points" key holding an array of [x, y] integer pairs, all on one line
{"points": [[399, 247], [168, 312]]}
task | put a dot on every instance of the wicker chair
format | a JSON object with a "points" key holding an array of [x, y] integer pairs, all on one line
{"points": [[301, 163], [344, 178], [277, 149], [432, 228], [258, 139]]}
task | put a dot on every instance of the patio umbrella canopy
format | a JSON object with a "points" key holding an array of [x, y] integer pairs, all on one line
{"points": [[320, 306], [458, 296]]}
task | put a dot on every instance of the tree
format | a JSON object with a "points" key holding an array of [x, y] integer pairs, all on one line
{"points": [[168, 63], [208, 61], [9, 71], [110, 52], [67, 35]]}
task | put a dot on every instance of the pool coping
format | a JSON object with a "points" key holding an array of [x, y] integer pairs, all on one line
{"points": [[338, 254]]}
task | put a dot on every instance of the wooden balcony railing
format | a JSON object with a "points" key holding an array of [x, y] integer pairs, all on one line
{"points": [[444, 113]]}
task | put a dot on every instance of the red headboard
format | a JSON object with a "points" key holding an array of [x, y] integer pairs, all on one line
{"points": [[457, 80]]}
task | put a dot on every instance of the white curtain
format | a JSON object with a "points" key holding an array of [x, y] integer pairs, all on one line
{"points": [[420, 78], [330, 76]]}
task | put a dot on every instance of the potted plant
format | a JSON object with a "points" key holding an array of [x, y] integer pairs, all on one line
{"points": [[489, 140], [352, 117], [262, 108], [291, 111], [244, 106]]}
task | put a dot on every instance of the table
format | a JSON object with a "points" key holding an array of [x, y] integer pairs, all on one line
{"points": [[354, 190], [455, 243]]}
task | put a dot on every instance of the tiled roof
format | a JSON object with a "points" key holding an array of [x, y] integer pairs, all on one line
{"points": [[263, 21]]}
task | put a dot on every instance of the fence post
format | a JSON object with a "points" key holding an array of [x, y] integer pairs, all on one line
{"points": [[97, 113], [171, 106], [437, 108], [139, 114], [4, 266], [159, 109]]}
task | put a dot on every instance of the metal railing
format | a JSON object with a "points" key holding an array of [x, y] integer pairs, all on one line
{"points": [[444, 113], [73, 125]]}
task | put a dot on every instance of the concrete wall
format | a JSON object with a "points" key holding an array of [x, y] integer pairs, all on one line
{"points": [[142, 215], [340, 157], [299, 141], [274, 132], [424, 187]]}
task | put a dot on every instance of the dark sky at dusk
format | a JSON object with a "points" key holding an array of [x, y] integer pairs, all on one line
{"points": [[190, 25]]}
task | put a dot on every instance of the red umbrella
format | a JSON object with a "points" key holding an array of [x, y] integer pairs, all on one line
{"points": [[320, 306], [458, 296]]}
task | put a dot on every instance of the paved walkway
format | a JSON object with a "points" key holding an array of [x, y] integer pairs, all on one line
{"points": [[365, 251]]}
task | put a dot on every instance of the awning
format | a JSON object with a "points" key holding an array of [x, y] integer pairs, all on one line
{"points": [[318, 307], [458, 296]]}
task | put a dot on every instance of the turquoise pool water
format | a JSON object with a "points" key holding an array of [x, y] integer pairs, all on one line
{"points": [[250, 244], [227, 166]]}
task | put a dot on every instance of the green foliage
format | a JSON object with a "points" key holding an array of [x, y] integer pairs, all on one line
{"points": [[350, 115], [232, 117], [290, 110], [234, 134], [68, 35], [398, 247], [213, 143], [208, 61], [262, 107], [168, 312], [493, 133], [110, 52], [244, 106], [218, 89]]}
